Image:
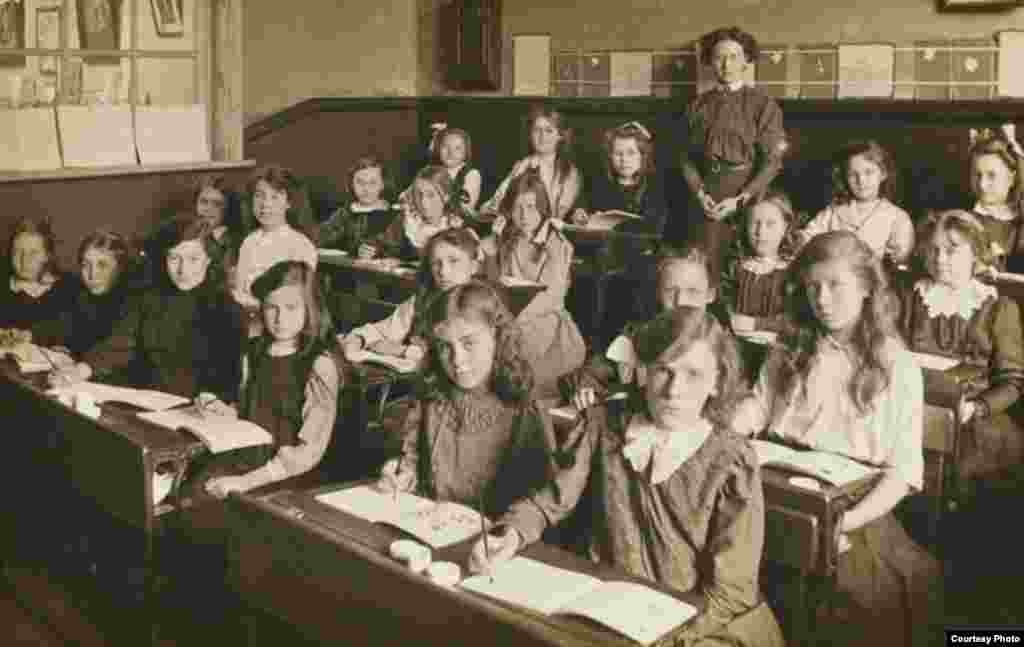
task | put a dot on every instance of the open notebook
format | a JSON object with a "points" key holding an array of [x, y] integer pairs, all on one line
{"points": [[831, 468], [218, 433], [141, 398], [634, 610], [36, 359], [438, 523]]}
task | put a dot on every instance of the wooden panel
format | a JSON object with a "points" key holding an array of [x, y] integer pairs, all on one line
{"points": [[322, 143], [791, 537], [129, 204]]}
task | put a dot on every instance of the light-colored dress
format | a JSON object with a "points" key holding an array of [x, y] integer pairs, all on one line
{"points": [[552, 342], [261, 250], [886, 229], [563, 188], [890, 585]]}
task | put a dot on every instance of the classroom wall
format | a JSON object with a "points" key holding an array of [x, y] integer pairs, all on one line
{"points": [[327, 48], [653, 24]]}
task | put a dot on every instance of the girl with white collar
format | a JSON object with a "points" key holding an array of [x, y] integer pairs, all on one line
{"points": [[996, 159], [950, 312], [677, 498]]}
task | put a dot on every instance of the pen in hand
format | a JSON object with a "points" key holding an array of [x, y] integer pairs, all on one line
{"points": [[483, 535]]}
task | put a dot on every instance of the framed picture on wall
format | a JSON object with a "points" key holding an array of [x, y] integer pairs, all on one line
{"points": [[169, 17], [48, 37], [99, 27], [12, 32]]}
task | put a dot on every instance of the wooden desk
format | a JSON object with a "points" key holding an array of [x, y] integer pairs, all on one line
{"points": [[800, 533], [402, 279], [108, 463], [329, 575]]}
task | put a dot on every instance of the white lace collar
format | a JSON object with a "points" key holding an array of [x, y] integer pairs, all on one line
{"points": [[941, 300], [380, 205], [1001, 212], [731, 87], [665, 451], [454, 171], [762, 266]]}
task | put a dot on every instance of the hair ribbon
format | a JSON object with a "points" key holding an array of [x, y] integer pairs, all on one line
{"points": [[637, 126]]}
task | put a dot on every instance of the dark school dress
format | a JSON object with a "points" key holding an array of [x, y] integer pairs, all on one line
{"points": [[177, 342], [735, 144], [702, 528], [21, 310]]}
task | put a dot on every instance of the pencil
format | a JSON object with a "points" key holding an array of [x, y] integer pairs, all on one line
{"points": [[483, 534]]}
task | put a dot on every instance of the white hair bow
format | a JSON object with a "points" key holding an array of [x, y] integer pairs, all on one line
{"points": [[638, 126], [437, 128]]}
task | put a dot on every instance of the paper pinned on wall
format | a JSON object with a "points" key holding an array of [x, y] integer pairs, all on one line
{"points": [[96, 135], [631, 74], [865, 71], [171, 134], [531, 69], [1011, 58], [28, 140]]}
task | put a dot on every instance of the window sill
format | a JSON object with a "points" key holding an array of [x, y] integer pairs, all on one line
{"points": [[115, 171]]}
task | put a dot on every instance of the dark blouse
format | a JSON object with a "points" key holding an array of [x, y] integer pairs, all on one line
{"points": [[702, 528], [347, 230], [1005, 234], [760, 295], [473, 448], [275, 393], [646, 198], [741, 128], [89, 319], [42, 315], [179, 342], [991, 338]]}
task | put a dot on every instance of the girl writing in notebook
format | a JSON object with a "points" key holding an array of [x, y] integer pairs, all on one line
{"points": [[995, 167], [527, 246], [451, 258], [351, 227], [290, 384], [426, 211], [475, 435], [842, 381], [550, 140], [759, 274], [951, 313], [862, 181], [676, 497], [181, 336]]}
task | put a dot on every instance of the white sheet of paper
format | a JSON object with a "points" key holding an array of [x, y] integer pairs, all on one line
{"points": [[532, 584], [438, 523], [171, 134], [96, 135], [935, 362], [631, 74], [151, 400], [28, 140], [1011, 58], [531, 65], [634, 610], [865, 71]]}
